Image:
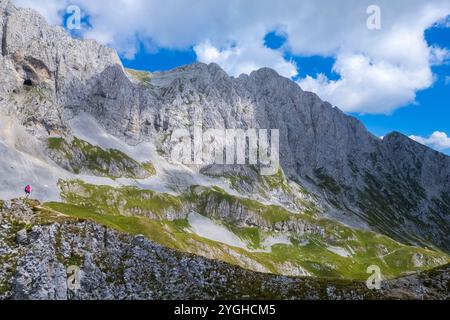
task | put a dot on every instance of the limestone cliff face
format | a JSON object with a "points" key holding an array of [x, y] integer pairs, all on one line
{"points": [[54, 62], [394, 185]]}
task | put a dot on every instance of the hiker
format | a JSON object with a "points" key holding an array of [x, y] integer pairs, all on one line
{"points": [[27, 191]]}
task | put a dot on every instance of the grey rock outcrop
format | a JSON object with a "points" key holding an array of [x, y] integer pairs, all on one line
{"points": [[237, 213]]}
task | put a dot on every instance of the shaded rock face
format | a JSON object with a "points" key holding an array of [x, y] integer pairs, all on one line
{"points": [[46, 55], [111, 265], [394, 185]]}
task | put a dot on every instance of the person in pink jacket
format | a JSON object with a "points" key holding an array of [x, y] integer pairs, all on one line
{"points": [[27, 191]]}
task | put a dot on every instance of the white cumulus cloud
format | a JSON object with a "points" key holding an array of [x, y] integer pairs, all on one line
{"points": [[369, 86], [245, 59], [438, 140]]}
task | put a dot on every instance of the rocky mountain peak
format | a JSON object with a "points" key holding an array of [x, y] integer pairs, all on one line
{"points": [[265, 72]]}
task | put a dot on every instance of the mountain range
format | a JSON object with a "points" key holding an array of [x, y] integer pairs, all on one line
{"points": [[94, 140]]}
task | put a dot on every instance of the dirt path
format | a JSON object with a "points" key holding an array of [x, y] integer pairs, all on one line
{"points": [[58, 214]]}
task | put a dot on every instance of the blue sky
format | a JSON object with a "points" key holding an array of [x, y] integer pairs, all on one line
{"points": [[160, 60], [388, 64]]}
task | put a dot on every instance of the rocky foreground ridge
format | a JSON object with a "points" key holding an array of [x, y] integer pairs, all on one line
{"points": [[38, 246]]}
